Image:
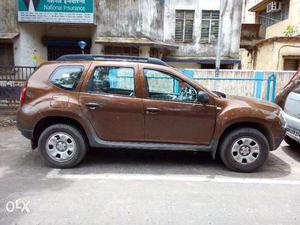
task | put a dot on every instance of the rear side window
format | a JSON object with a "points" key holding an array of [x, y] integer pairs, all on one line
{"points": [[67, 77], [113, 80]]}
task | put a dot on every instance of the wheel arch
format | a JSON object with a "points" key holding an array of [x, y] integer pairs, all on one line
{"points": [[48, 121], [246, 124]]}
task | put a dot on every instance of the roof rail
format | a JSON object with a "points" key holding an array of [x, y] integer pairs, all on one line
{"points": [[89, 57]]}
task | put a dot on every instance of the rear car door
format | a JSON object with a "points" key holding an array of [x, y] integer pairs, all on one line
{"points": [[108, 99], [172, 113]]}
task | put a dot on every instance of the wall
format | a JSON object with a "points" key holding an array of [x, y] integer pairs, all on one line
{"points": [[130, 18], [293, 19], [246, 59], [270, 55], [8, 18], [248, 17], [29, 43], [277, 30], [31, 35], [154, 19], [231, 27]]}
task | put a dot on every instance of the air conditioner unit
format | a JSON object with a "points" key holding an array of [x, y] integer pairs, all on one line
{"points": [[274, 7]]}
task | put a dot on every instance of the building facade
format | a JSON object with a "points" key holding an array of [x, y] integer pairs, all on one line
{"points": [[182, 32], [271, 40]]}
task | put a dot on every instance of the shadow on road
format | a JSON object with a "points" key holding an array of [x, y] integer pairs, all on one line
{"points": [[294, 153], [100, 161], [22, 176]]}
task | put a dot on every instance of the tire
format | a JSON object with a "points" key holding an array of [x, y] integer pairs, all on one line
{"points": [[244, 150], [62, 146], [292, 143]]}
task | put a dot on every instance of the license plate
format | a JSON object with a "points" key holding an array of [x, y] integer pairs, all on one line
{"points": [[294, 132]]}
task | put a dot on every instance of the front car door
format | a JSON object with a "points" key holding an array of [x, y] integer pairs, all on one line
{"points": [[108, 99], [172, 113]]}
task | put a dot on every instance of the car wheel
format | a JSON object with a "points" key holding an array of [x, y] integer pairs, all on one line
{"points": [[244, 150], [292, 143], [62, 146]]}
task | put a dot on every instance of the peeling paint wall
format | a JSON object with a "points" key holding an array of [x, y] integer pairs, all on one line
{"points": [[231, 27], [8, 16], [130, 18], [154, 19]]}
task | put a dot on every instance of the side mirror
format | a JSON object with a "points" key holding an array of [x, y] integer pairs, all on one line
{"points": [[202, 97]]}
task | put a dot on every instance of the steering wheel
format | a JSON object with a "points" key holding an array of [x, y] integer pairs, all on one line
{"points": [[174, 97]]}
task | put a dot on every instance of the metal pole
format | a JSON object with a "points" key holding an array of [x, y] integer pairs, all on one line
{"points": [[219, 44]]}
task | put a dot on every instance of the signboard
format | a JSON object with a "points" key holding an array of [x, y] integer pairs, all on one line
{"points": [[56, 11]]}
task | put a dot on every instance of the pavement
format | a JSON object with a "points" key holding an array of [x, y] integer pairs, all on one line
{"points": [[144, 187]]}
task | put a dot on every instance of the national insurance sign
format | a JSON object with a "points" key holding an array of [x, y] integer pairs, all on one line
{"points": [[56, 11]]}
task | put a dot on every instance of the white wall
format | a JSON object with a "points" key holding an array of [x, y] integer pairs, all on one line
{"points": [[28, 43], [30, 40], [231, 27], [249, 17]]}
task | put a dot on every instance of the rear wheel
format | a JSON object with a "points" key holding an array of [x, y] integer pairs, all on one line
{"points": [[292, 143], [244, 150], [62, 146]]}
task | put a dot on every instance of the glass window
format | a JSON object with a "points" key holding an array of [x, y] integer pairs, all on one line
{"points": [[67, 77], [210, 26], [163, 86], [184, 25], [113, 80]]}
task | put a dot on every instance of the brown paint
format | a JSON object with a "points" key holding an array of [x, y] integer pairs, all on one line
{"points": [[124, 118]]}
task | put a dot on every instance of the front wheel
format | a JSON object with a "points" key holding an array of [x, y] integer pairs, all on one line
{"points": [[244, 150], [62, 146]]}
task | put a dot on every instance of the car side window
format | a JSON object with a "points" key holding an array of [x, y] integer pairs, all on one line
{"points": [[163, 86], [112, 80], [67, 77]]}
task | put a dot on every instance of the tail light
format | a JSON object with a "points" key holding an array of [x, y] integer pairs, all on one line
{"points": [[23, 94]]}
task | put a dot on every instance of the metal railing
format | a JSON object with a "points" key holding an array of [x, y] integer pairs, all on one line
{"points": [[258, 84], [12, 79]]}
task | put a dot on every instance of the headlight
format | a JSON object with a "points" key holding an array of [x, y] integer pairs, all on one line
{"points": [[281, 117]]}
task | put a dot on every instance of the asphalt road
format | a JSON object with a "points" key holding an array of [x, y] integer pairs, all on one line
{"points": [[144, 187]]}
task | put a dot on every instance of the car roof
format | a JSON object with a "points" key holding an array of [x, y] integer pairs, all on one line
{"points": [[115, 58]]}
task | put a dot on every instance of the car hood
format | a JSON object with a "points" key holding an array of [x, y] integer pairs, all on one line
{"points": [[254, 103]]}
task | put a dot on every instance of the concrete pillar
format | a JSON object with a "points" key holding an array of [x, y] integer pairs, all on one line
{"points": [[97, 49], [28, 48], [145, 51]]}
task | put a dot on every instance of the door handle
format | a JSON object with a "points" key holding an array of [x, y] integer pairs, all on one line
{"points": [[152, 110], [92, 105]]}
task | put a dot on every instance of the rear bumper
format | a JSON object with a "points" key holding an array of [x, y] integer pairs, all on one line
{"points": [[26, 117], [27, 133]]}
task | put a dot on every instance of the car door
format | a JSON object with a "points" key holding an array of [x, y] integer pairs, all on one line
{"points": [[172, 113], [108, 99]]}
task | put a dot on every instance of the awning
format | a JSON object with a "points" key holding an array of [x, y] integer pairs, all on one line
{"points": [[8, 37], [262, 5], [201, 60], [134, 42]]}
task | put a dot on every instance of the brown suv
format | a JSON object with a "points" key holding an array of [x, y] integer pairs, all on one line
{"points": [[82, 101]]}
